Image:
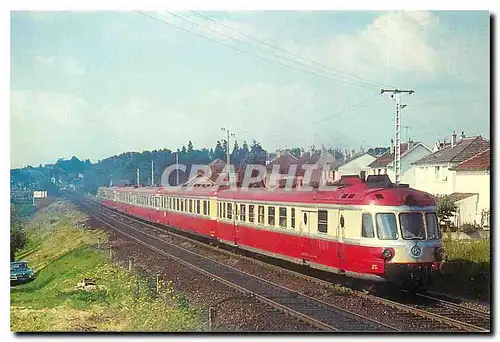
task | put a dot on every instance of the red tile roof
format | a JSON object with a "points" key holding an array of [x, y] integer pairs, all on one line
{"points": [[463, 150], [388, 157], [479, 162], [458, 196]]}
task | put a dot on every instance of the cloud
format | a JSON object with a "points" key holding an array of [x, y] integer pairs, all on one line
{"points": [[67, 65], [413, 44]]}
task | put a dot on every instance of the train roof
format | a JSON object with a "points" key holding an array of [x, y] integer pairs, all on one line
{"points": [[377, 190]]}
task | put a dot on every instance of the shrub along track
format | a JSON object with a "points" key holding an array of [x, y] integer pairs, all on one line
{"points": [[358, 304]]}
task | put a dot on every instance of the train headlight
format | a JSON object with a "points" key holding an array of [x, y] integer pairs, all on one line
{"points": [[439, 254], [388, 254]]}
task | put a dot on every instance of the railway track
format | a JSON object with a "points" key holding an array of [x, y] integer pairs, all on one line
{"points": [[315, 312], [445, 316]]}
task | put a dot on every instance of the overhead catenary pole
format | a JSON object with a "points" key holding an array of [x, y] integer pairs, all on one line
{"points": [[137, 177], [397, 128], [177, 164], [228, 156], [152, 174]]}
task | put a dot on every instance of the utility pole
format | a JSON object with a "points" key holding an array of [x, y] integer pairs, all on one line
{"points": [[177, 164], [407, 131], [152, 173], [229, 134], [396, 96], [137, 177]]}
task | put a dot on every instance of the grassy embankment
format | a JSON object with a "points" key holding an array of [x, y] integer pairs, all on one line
{"points": [[468, 272], [63, 254]]}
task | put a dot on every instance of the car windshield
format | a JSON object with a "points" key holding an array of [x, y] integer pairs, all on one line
{"points": [[18, 266], [412, 226], [432, 228]]}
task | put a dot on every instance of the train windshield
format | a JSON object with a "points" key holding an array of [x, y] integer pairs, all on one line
{"points": [[387, 228], [412, 226], [432, 229]]}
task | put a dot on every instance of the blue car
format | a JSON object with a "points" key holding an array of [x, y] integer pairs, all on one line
{"points": [[21, 273]]}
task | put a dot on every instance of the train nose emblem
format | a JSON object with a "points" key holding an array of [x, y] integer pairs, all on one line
{"points": [[416, 250]]}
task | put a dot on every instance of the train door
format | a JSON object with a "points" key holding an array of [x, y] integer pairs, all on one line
{"points": [[306, 232], [341, 240]]}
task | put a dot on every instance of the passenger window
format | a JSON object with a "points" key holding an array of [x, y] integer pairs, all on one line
{"points": [[204, 207], [367, 226], [250, 213], [190, 206], [261, 214], [197, 206], [282, 220], [230, 211], [208, 207], [322, 221], [177, 206], [432, 228], [270, 215], [387, 227], [243, 212], [224, 210], [182, 205], [293, 218]]}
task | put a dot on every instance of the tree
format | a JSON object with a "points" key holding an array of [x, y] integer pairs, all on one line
{"points": [[219, 151], [18, 238], [190, 146], [446, 209]]}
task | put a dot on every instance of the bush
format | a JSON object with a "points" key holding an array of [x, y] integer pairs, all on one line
{"points": [[469, 228]]}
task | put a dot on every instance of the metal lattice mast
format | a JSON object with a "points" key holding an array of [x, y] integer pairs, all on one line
{"points": [[228, 154], [397, 129]]}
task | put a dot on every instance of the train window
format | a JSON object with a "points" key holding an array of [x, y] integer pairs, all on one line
{"points": [[282, 219], [367, 226], [412, 226], [322, 221], [186, 205], [157, 202], [182, 205], [243, 213], [208, 207], [177, 204], [224, 210], [198, 206], [305, 218], [292, 214], [229, 211], [270, 215], [261, 214], [190, 205], [342, 221], [250, 212], [387, 228], [204, 207], [432, 228]]}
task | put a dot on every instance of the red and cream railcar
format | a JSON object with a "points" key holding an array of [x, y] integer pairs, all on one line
{"points": [[371, 230]]}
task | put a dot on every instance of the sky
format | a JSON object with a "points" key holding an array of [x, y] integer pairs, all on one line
{"points": [[95, 84]]}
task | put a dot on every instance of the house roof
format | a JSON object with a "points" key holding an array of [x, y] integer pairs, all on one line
{"points": [[356, 156], [458, 196], [463, 150], [479, 162], [388, 157]]}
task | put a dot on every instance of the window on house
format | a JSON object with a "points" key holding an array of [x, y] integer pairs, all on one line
{"points": [[250, 212], [436, 172], [261, 214], [229, 211], [282, 212], [367, 226], [292, 214], [322, 221], [270, 215], [243, 212]]}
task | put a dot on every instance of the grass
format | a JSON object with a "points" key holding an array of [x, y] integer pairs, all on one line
{"points": [[63, 256], [468, 269]]}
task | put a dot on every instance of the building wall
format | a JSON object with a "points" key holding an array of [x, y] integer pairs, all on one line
{"points": [[468, 211], [354, 167], [436, 179], [475, 182]]}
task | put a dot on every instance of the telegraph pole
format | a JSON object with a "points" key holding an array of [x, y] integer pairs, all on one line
{"points": [[396, 96], [152, 173], [229, 134]]}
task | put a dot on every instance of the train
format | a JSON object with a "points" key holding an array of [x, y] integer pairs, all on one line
{"points": [[369, 229]]}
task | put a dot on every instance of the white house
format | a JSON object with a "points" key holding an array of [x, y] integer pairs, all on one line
{"points": [[356, 165], [473, 178], [434, 173], [410, 152]]}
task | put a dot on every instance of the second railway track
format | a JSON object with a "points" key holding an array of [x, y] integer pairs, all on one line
{"points": [[324, 315]]}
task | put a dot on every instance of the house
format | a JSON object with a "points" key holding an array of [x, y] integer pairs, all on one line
{"points": [[356, 164], [473, 179], [410, 152], [432, 172]]}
